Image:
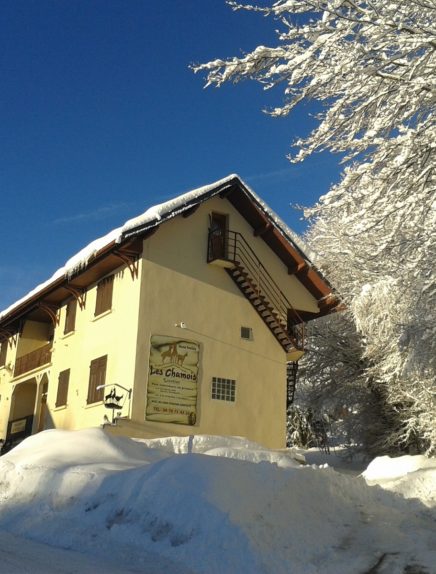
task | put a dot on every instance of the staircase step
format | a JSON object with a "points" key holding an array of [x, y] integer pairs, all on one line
{"points": [[260, 302], [276, 323], [240, 276], [279, 329], [282, 338]]}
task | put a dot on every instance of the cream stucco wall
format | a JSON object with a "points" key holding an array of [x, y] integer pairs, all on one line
{"points": [[179, 286], [34, 335], [112, 333]]}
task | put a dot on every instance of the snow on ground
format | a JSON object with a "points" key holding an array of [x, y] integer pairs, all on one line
{"points": [[85, 501]]}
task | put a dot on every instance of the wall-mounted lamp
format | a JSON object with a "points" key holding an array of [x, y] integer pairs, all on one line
{"points": [[181, 325]]}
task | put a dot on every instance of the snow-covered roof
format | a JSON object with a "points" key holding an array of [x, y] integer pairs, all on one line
{"points": [[153, 217]]}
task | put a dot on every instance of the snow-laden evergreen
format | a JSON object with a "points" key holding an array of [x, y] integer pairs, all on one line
{"points": [[372, 67]]}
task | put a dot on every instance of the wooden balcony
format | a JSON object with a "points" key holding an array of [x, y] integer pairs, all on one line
{"points": [[33, 360]]}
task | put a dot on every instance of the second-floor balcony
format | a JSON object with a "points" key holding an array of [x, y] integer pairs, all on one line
{"points": [[33, 360]]}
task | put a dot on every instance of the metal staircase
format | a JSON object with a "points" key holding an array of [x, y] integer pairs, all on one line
{"points": [[231, 251], [291, 382]]}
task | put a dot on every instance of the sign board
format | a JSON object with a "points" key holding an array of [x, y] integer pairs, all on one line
{"points": [[18, 426], [172, 380]]}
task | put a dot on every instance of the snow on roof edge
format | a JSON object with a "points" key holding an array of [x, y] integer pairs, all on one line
{"points": [[286, 231], [153, 215], [173, 206]]}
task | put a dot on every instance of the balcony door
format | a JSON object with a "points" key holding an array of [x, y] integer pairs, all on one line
{"points": [[218, 233]]}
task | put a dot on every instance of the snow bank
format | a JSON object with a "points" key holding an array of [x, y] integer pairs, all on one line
{"points": [[208, 504], [411, 476]]}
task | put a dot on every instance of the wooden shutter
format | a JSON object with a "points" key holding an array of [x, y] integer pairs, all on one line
{"points": [[104, 295], [3, 351], [70, 317], [63, 381], [97, 377]]}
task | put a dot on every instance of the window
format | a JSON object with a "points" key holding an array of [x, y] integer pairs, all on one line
{"points": [[70, 316], [104, 295], [97, 377], [3, 351], [247, 333], [223, 389], [63, 381]]}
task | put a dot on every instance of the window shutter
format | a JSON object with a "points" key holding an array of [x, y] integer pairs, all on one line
{"points": [[104, 295], [3, 351], [70, 317], [63, 381], [97, 377]]}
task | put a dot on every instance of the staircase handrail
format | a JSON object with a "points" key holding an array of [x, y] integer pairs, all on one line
{"points": [[240, 251]]}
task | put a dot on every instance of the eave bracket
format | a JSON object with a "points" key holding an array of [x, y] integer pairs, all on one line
{"points": [[130, 258], [78, 293], [51, 310]]}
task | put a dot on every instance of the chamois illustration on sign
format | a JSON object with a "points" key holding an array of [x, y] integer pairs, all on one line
{"points": [[172, 380]]}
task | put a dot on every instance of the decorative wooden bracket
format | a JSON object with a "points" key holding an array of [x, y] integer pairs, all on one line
{"points": [[6, 335], [331, 303], [130, 258], [299, 268], [262, 230], [51, 310], [78, 293], [226, 192]]}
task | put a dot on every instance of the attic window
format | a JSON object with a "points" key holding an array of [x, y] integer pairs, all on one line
{"points": [[223, 389], [247, 333]]}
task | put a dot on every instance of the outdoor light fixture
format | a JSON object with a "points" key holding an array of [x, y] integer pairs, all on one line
{"points": [[181, 325]]}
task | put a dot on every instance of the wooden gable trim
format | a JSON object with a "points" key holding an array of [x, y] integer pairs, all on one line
{"points": [[190, 211]]}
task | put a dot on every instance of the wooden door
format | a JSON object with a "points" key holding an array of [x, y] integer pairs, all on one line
{"points": [[218, 230]]}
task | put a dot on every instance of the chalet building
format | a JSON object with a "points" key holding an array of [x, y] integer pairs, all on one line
{"points": [[189, 319]]}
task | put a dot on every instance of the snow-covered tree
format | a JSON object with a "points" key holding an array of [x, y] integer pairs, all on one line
{"points": [[371, 66]]}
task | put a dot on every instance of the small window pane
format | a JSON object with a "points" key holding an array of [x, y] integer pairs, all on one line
{"points": [[247, 333], [223, 389]]}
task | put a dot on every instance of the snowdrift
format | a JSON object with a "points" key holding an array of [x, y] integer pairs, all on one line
{"points": [[208, 505]]}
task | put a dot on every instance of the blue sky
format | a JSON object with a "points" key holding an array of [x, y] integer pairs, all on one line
{"points": [[101, 117]]}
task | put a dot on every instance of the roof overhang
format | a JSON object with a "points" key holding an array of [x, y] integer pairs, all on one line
{"points": [[130, 241]]}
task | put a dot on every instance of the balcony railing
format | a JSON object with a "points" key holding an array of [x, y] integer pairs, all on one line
{"points": [[33, 360]]}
